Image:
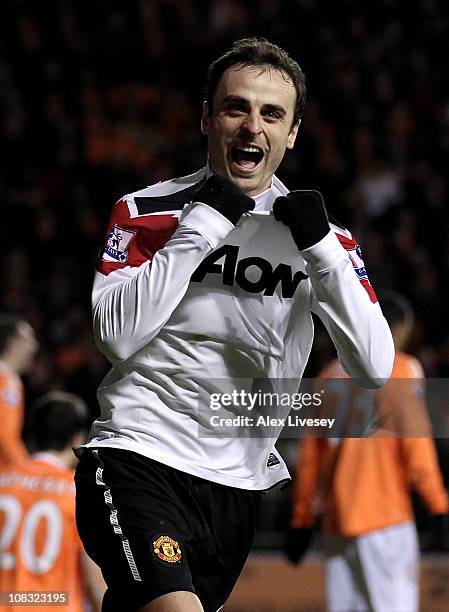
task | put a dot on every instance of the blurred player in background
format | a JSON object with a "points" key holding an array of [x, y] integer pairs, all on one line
{"points": [[205, 280], [40, 548], [18, 346], [362, 488]]}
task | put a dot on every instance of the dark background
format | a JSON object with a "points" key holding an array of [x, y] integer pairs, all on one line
{"points": [[101, 98]]}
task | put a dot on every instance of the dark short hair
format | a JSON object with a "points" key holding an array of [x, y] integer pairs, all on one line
{"points": [[395, 307], [54, 419], [9, 327], [258, 52]]}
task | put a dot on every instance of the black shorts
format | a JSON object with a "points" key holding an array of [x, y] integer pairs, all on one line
{"points": [[154, 530]]}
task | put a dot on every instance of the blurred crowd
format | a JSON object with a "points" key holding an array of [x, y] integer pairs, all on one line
{"points": [[101, 98]]}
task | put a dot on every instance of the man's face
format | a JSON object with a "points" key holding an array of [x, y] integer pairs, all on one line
{"points": [[250, 125]]}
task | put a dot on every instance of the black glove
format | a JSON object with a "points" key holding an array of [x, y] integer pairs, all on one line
{"points": [[440, 533], [305, 214], [224, 196], [297, 541]]}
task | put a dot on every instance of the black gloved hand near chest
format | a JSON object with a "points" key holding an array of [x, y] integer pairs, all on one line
{"points": [[219, 193], [305, 214]]}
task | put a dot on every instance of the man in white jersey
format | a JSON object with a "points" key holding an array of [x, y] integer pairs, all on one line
{"points": [[204, 281]]}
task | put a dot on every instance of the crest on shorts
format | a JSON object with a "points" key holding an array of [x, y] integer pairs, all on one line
{"points": [[167, 549]]}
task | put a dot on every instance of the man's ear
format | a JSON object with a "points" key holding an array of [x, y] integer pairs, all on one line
{"points": [[292, 136], [205, 119]]}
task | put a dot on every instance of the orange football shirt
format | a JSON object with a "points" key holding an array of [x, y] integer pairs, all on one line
{"points": [[362, 484], [41, 548], [12, 448]]}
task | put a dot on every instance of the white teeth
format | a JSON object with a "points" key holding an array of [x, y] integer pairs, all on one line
{"points": [[250, 149]]}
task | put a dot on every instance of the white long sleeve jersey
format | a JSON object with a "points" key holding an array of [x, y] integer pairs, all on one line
{"points": [[185, 305]]}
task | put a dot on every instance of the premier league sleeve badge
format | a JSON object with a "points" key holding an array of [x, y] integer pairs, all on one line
{"points": [[117, 243]]}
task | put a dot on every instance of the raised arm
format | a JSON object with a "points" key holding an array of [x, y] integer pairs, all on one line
{"points": [[341, 293], [345, 301], [148, 259]]}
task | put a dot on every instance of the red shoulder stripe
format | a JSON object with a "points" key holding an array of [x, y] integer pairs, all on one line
{"points": [[355, 255], [132, 241]]}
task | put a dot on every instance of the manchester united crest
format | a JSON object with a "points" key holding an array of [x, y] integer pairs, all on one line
{"points": [[167, 549]]}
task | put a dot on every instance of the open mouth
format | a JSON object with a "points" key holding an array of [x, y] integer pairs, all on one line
{"points": [[247, 158]]}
